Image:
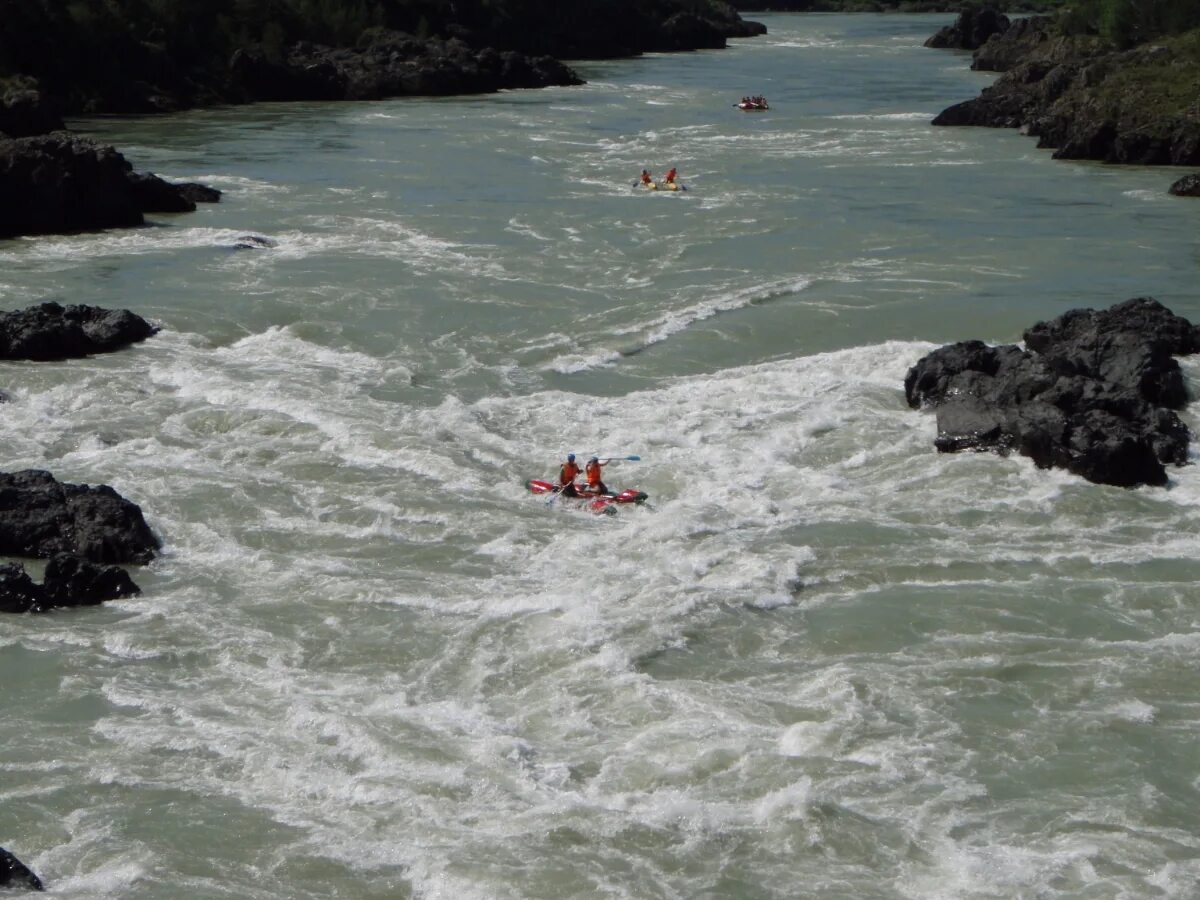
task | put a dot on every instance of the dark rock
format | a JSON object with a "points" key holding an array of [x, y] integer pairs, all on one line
{"points": [[18, 594], [60, 183], [69, 581], [971, 29], [688, 31], [41, 517], [24, 113], [51, 331], [155, 195], [14, 873], [1094, 393], [73, 581], [1187, 186]]}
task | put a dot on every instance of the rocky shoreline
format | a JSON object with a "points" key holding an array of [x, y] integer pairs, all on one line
{"points": [[1080, 97]]}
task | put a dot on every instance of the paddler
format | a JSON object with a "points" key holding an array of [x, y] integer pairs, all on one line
{"points": [[669, 178], [646, 179], [592, 470], [566, 477]]}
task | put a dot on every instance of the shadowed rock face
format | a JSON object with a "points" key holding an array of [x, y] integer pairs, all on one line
{"points": [[51, 331], [41, 517], [14, 874], [1094, 393]]}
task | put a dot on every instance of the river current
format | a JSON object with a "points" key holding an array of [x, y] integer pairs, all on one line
{"points": [[822, 661]]}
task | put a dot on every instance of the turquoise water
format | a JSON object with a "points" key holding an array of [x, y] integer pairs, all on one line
{"points": [[823, 661]]}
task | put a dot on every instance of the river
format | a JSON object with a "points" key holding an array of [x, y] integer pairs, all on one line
{"points": [[822, 661]]}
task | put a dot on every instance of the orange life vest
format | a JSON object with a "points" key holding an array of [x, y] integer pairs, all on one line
{"points": [[566, 475], [593, 474]]}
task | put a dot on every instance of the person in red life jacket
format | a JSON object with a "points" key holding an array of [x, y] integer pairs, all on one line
{"points": [[646, 177], [594, 484], [670, 176], [566, 477]]}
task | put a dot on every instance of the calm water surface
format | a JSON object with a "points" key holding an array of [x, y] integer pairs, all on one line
{"points": [[823, 661]]}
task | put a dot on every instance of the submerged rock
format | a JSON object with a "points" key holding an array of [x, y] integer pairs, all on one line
{"points": [[41, 517], [50, 331], [1094, 393], [15, 874]]}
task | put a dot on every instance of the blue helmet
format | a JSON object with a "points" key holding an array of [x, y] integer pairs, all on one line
{"points": [[570, 457]]}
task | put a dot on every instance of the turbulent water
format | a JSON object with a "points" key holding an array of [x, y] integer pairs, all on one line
{"points": [[822, 661]]}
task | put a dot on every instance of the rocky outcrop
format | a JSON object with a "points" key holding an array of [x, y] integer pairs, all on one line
{"points": [[971, 29], [1093, 392], [1086, 101], [50, 331], [392, 64], [41, 517], [69, 581], [58, 183], [1187, 186], [15, 874]]}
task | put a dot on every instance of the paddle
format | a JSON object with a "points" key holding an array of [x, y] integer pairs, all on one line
{"points": [[611, 458]]}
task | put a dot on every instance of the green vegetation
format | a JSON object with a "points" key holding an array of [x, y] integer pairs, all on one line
{"points": [[1126, 23]]}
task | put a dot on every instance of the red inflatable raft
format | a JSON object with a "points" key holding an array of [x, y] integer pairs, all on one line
{"points": [[598, 503]]}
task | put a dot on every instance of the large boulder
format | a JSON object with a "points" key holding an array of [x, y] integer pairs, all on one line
{"points": [[971, 29], [15, 874], [51, 331], [41, 517], [1092, 392]]}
